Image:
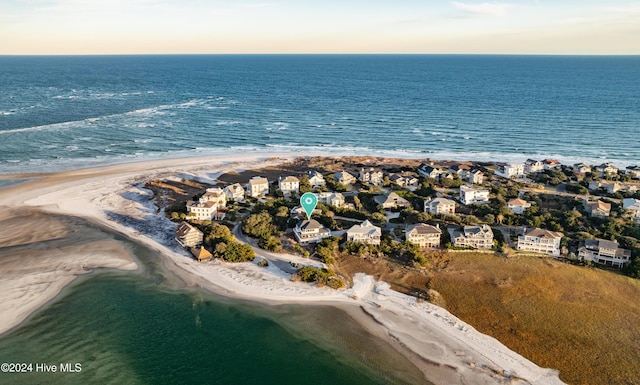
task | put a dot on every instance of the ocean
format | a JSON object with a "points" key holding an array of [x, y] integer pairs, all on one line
{"points": [[64, 112]]}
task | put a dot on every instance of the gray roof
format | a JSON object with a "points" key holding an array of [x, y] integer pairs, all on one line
{"points": [[542, 233], [310, 225], [423, 228]]}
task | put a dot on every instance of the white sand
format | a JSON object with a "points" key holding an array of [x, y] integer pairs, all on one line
{"points": [[462, 354]]}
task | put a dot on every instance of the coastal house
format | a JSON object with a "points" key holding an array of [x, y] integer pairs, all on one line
{"points": [[371, 175], [330, 198], [581, 168], [234, 192], [310, 231], [606, 169], [201, 254], [604, 252], [477, 237], [533, 166], [510, 170], [316, 179], [610, 187], [404, 180], [633, 205], [550, 164], [440, 206], [460, 169], [475, 177], [258, 186], [289, 185], [202, 211], [471, 196], [540, 241], [430, 171], [597, 208], [518, 206], [633, 171], [392, 201], [424, 235], [344, 178], [365, 232], [216, 195], [188, 236]]}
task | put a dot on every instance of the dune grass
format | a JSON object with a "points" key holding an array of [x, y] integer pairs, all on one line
{"points": [[584, 322]]}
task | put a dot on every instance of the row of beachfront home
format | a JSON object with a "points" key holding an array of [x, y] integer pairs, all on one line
{"points": [[463, 171], [312, 231]]}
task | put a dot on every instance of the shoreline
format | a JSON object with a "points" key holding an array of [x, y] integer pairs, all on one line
{"points": [[427, 331]]}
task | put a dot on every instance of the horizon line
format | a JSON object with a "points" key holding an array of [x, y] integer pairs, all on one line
{"points": [[320, 54]]}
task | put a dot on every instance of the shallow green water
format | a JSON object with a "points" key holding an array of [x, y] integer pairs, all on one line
{"points": [[129, 328]]}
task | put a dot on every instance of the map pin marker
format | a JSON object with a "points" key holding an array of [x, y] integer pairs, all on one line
{"points": [[308, 201]]}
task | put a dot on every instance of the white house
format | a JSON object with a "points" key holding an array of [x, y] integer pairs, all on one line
{"points": [[471, 196], [404, 180], [440, 206], [633, 205], [550, 164], [330, 198], [344, 178], [258, 186], [289, 185], [610, 187], [475, 177], [310, 231], [510, 170], [316, 179], [607, 168], [532, 166], [518, 206], [365, 232], [216, 195], [424, 235], [597, 208], [202, 211], [604, 252], [371, 175], [477, 237], [540, 241], [234, 192], [391, 201], [429, 171], [188, 236], [581, 168], [633, 171]]}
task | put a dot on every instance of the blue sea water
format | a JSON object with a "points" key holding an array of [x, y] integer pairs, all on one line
{"points": [[60, 112]]}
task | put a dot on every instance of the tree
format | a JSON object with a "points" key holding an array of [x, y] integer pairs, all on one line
{"points": [[305, 185], [238, 252], [357, 203], [271, 244], [259, 225], [378, 218]]}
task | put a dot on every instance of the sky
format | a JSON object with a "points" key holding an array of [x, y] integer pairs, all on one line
{"points": [[313, 26]]}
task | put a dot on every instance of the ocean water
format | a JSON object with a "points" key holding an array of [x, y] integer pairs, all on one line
{"points": [[145, 327], [63, 112]]}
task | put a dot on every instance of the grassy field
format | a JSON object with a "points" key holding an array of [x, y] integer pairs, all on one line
{"points": [[584, 322]]}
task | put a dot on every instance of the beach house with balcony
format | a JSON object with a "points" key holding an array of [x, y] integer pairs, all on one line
{"points": [[424, 235], [604, 252], [540, 241], [310, 231], [258, 186], [471, 196], [365, 232], [476, 237], [440, 206]]}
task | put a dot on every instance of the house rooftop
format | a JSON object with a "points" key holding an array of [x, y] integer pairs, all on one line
{"points": [[310, 224], [517, 202], [543, 233], [423, 228]]}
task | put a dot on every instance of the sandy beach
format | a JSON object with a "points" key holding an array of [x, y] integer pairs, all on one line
{"points": [[448, 350]]}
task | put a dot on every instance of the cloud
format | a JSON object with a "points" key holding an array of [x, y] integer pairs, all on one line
{"points": [[485, 9]]}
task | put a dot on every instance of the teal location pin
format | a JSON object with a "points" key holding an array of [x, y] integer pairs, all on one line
{"points": [[308, 201]]}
